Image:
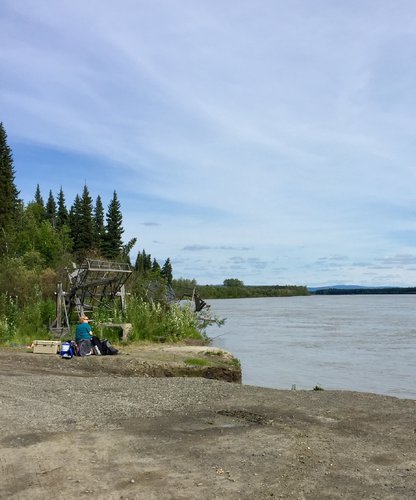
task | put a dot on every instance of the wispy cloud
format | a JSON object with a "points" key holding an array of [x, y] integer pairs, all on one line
{"points": [[398, 260], [195, 248]]}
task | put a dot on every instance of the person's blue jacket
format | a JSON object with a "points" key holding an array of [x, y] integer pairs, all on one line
{"points": [[83, 332]]}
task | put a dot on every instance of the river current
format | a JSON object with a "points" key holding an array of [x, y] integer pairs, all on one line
{"points": [[350, 342]]}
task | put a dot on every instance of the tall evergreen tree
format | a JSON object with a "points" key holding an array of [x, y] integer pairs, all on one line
{"points": [[167, 272], [9, 201], [86, 225], [38, 206], [143, 262], [38, 196], [75, 222], [148, 262], [62, 211], [99, 229], [156, 267], [51, 209], [114, 229], [138, 265]]}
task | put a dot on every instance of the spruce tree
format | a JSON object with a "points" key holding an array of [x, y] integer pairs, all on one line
{"points": [[138, 266], [74, 223], [38, 206], [51, 209], [86, 225], [62, 212], [148, 263], [98, 223], [143, 262], [9, 201], [156, 267], [38, 196], [114, 229], [167, 272]]}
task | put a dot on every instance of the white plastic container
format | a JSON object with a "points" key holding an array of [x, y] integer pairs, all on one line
{"points": [[46, 346]]}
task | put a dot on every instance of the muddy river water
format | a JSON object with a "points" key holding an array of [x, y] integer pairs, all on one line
{"points": [[351, 342]]}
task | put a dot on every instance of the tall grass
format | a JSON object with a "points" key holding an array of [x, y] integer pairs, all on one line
{"points": [[154, 321], [151, 321], [22, 325]]}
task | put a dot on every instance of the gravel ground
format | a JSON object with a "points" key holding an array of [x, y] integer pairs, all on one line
{"points": [[51, 401], [65, 436]]}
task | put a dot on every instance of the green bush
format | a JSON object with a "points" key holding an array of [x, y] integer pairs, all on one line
{"points": [[154, 321], [8, 318], [22, 325]]}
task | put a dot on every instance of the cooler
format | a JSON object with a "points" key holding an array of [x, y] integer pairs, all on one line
{"points": [[46, 346]]}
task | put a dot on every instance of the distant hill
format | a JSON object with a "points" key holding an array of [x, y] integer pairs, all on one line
{"points": [[359, 290], [337, 287]]}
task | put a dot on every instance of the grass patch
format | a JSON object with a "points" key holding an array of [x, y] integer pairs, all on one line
{"points": [[214, 353], [196, 362], [235, 362]]}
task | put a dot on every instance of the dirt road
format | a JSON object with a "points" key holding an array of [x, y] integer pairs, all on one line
{"points": [[84, 434]]}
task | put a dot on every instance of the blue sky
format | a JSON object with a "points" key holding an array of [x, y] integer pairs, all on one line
{"points": [[265, 140]]}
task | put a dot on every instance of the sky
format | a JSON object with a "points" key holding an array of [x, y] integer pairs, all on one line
{"points": [[270, 141]]}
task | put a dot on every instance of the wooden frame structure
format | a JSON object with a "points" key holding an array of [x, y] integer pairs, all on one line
{"points": [[95, 283]]}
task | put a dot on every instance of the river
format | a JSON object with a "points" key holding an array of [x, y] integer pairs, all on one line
{"points": [[350, 342]]}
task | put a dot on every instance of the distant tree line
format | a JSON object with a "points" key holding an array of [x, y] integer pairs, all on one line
{"points": [[233, 288]]}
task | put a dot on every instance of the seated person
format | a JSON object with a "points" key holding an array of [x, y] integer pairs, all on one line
{"points": [[83, 335]]}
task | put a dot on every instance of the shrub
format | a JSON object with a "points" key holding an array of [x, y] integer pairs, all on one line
{"points": [[153, 321], [8, 317], [22, 325]]}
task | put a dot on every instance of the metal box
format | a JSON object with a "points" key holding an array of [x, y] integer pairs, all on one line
{"points": [[46, 346]]}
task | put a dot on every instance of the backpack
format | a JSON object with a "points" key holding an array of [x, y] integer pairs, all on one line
{"points": [[84, 347], [97, 345], [67, 350], [107, 349]]}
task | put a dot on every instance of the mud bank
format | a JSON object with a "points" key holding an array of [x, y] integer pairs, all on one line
{"points": [[154, 360]]}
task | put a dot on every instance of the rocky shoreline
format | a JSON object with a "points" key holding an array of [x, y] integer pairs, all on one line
{"points": [[112, 436]]}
